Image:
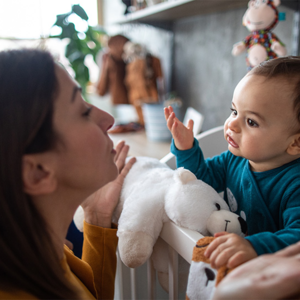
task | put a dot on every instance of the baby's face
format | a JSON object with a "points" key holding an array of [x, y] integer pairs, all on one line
{"points": [[263, 123]]}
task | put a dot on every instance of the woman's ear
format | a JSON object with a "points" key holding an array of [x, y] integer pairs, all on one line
{"points": [[294, 147], [38, 179]]}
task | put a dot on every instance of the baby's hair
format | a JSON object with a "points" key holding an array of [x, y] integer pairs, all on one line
{"points": [[288, 69]]}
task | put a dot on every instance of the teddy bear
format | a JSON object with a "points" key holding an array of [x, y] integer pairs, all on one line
{"points": [[143, 76], [154, 194], [260, 18], [113, 71]]}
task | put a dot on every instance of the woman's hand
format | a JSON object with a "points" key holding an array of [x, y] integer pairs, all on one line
{"points": [[273, 276], [99, 207]]}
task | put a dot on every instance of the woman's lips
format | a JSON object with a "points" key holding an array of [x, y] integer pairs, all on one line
{"points": [[232, 142]]}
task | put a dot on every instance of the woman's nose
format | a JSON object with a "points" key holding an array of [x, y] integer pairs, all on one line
{"points": [[104, 119]]}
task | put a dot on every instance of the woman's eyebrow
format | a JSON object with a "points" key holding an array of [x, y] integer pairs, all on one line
{"points": [[75, 90]]}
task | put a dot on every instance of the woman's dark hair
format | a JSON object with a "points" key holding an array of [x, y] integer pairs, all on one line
{"points": [[286, 69], [28, 260]]}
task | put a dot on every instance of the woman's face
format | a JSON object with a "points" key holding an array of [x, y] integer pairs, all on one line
{"points": [[84, 155]]}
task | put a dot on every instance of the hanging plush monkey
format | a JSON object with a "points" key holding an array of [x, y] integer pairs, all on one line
{"points": [[260, 18]]}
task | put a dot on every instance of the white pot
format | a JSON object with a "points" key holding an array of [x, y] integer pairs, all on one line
{"points": [[155, 122]]}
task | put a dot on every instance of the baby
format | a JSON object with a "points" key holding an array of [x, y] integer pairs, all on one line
{"points": [[260, 172]]}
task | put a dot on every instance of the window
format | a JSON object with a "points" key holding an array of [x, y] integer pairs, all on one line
{"points": [[26, 23]]}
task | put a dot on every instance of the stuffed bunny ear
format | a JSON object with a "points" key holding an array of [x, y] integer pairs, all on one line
{"points": [[276, 2], [184, 176]]}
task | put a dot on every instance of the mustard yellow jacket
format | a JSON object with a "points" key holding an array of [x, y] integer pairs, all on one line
{"points": [[95, 273]]}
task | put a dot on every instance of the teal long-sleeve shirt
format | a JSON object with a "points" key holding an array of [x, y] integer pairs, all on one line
{"points": [[269, 201]]}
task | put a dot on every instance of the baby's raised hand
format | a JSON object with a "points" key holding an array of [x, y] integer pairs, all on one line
{"points": [[183, 136], [229, 249]]}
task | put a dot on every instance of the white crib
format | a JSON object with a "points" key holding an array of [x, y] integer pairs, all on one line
{"points": [[141, 283]]}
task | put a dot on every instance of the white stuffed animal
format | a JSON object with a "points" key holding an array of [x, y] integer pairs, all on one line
{"points": [[153, 194]]}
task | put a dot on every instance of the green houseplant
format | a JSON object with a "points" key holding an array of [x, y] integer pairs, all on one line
{"points": [[81, 43]]}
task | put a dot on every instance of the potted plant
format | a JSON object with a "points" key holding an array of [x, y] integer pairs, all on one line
{"points": [[81, 43]]}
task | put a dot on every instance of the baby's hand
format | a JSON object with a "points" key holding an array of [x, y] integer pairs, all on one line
{"points": [[183, 136], [229, 249]]}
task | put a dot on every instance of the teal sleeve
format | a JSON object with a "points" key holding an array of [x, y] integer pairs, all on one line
{"points": [[268, 242], [212, 170]]}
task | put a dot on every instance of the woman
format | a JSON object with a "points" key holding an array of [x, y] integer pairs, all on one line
{"points": [[54, 153]]}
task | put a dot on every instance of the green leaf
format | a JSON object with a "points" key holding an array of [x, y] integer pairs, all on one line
{"points": [[77, 49], [71, 48], [60, 19], [79, 11], [69, 31], [77, 57]]}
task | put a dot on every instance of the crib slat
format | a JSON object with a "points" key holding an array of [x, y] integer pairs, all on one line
{"points": [[119, 277], [151, 280], [133, 283], [173, 273]]}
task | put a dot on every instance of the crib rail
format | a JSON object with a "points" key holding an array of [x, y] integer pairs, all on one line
{"points": [[182, 240]]}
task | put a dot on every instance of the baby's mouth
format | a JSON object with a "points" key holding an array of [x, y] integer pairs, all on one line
{"points": [[231, 142]]}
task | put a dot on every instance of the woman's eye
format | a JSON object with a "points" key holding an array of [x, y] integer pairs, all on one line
{"points": [[87, 112], [252, 123], [234, 112]]}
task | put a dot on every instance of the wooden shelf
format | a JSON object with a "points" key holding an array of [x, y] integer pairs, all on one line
{"points": [[173, 10], [170, 11]]}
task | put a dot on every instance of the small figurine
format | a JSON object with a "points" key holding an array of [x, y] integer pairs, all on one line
{"points": [[260, 18], [143, 72], [113, 70]]}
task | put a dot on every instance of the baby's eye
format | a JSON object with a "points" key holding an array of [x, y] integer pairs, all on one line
{"points": [[234, 112], [252, 123], [87, 111]]}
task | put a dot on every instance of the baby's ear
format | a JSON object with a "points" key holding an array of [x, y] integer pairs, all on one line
{"points": [[276, 2], [184, 176], [294, 147]]}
